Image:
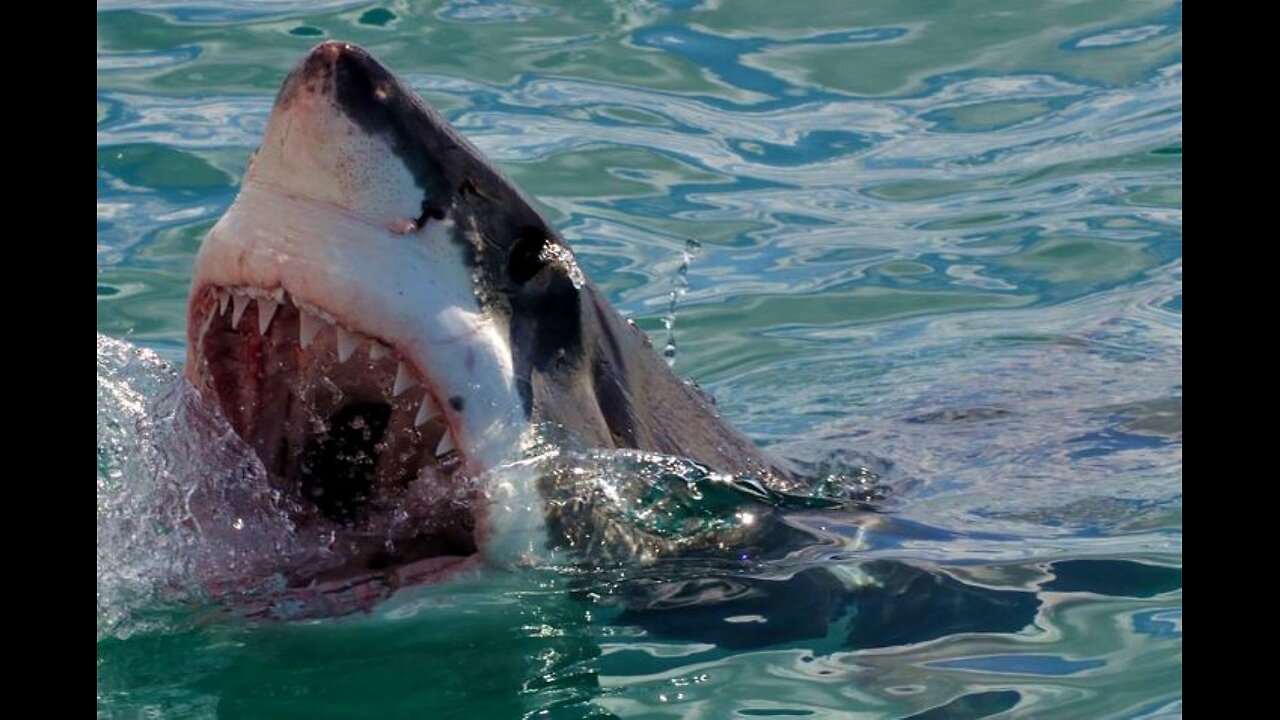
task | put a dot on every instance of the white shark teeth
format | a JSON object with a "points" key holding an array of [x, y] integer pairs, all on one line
{"points": [[239, 303], [347, 343], [308, 325], [404, 380], [266, 310], [224, 297], [426, 411], [446, 443], [377, 350]]}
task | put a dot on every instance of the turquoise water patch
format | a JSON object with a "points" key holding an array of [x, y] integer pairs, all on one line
{"points": [[940, 256]]}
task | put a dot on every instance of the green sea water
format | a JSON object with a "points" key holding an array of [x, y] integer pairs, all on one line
{"points": [[941, 242]]}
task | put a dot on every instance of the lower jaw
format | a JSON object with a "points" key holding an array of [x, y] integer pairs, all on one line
{"points": [[358, 592]]}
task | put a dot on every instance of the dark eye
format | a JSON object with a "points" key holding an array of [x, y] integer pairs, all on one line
{"points": [[526, 255]]}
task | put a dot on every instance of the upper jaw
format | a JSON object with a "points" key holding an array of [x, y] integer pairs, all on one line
{"points": [[336, 211], [358, 451], [405, 297], [410, 292]]}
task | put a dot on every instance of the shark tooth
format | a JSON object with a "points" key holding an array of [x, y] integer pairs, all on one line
{"points": [[308, 325], [404, 380], [426, 411], [347, 343], [239, 304], [266, 310], [446, 444]]}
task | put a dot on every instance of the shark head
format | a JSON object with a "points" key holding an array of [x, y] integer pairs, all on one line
{"points": [[381, 316]]}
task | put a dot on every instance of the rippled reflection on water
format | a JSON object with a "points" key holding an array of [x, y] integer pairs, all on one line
{"points": [[941, 243]]}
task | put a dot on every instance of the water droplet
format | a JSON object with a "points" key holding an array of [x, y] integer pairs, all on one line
{"points": [[680, 285]]}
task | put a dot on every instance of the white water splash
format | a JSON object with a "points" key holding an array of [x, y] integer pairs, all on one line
{"points": [[184, 508]]}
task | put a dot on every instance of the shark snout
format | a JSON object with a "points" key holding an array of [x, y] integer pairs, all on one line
{"points": [[323, 57], [335, 138], [330, 66]]}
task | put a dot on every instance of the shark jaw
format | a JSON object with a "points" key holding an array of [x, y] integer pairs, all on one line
{"points": [[382, 316], [335, 320]]}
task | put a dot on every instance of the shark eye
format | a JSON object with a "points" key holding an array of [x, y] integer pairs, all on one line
{"points": [[527, 257]]}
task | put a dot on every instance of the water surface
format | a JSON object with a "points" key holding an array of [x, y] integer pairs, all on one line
{"points": [[942, 242]]}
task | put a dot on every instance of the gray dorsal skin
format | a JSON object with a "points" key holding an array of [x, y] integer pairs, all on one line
{"points": [[578, 364]]}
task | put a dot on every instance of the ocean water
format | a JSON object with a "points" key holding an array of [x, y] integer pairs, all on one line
{"points": [[936, 247]]}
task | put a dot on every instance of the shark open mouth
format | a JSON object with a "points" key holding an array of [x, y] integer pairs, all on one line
{"points": [[381, 316], [335, 319], [355, 434]]}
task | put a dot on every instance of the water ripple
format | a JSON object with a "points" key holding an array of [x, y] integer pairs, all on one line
{"points": [[943, 244]]}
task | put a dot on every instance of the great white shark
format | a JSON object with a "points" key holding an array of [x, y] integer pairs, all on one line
{"points": [[382, 316]]}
